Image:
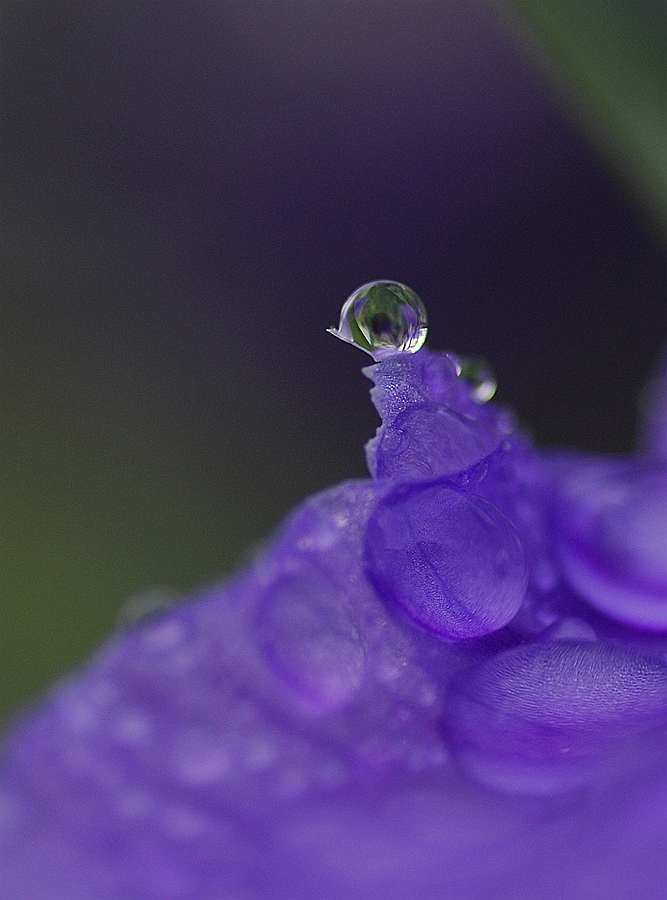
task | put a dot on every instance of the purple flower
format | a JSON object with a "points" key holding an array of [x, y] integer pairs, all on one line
{"points": [[447, 680]]}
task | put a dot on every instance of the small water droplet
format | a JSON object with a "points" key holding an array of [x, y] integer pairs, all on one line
{"points": [[569, 628], [480, 376], [131, 728], [310, 641], [145, 604], [384, 318]]}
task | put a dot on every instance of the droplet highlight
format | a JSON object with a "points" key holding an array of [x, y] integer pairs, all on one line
{"points": [[384, 318]]}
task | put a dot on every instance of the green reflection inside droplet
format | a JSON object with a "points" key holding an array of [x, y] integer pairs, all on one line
{"points": [[383, 318], [481, 377]]}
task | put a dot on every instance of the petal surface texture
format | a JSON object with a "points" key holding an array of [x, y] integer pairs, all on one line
{"points": [[612, 532], [542, 718], [448, 680], [453, 562]]}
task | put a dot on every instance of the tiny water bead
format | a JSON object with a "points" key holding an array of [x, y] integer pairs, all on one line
{"points": [[384, 318]]}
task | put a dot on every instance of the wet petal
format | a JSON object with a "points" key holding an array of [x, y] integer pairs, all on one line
{"points": [[537, 718], [612, 539], [453, 563], [429, 442]]}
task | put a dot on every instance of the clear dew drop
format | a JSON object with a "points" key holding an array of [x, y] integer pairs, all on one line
{"points": [[384, 318], [479, 375], [144, 605]]}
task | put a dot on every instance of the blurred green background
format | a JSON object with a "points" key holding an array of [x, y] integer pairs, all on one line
{"points": [[190, 191]]}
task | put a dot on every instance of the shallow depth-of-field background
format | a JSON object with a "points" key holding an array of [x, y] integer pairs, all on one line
{"points": [[190, 191]]}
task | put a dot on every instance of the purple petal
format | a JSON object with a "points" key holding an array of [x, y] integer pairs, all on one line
{"points": [[289, 735], [429, 441], [612, 539], [415, 392], [538, 718], [454, 563]]}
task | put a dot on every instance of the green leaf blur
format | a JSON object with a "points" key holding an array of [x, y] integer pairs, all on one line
{"points": [[613, 56]]}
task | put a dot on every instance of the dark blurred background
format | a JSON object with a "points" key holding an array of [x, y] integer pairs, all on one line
{"points": [[189, 192]]}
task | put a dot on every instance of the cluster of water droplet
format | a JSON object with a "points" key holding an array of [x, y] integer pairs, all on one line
{"points": [[314, 718], [387, 318]]}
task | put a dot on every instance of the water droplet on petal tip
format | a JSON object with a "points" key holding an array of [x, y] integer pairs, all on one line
{"points": [[384, 318]]}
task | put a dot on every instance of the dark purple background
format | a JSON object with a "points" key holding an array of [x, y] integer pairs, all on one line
{"points": [[191, 190]]}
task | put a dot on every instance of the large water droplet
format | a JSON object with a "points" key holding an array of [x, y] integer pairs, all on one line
{"points": [[453, 562], [383, 318]]}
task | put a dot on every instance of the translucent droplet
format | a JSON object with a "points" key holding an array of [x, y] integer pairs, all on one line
{"points": [[383, 318], [454, 563], [612, 535], [310, 642], [430, 441], [144, 605], [482, 381]]}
